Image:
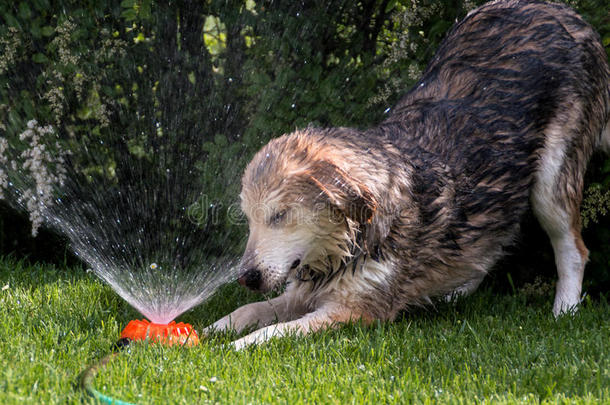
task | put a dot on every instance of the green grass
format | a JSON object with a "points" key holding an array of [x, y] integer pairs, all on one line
{"points": [[486, 348]]}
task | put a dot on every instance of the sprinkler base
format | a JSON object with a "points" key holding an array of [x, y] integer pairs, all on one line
{"points": [[170, 334]]}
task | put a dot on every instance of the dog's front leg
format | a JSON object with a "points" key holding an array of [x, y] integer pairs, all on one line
{"points": [[256, 314], [322, 318]]}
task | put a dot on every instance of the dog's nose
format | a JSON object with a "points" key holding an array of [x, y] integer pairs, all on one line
{"points": [[251, 279]]}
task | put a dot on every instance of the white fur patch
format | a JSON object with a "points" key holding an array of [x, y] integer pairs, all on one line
{"points": [[551, 216], [347, 288], [558, 223], [570, 269]]}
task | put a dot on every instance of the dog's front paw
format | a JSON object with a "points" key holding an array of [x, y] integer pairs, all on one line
{"points": [[254, 338], [263, 335], [239, 344], [248, 316], [222, 325]]}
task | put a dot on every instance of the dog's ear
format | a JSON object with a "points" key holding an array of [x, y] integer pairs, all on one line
{"points": [[341, 191]]}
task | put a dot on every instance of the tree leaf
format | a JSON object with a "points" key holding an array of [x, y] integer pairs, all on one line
{"points": [[47, 30], [40, 58], [129, 15], [24, 10]]}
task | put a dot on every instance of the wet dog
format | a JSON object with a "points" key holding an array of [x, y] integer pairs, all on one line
{"points": [[360, 224]]}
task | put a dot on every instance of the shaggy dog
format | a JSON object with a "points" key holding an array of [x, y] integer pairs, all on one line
{"points": [[360, 224]]}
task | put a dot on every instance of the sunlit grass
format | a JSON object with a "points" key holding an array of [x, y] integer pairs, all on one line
{"points": [[501, 349]]}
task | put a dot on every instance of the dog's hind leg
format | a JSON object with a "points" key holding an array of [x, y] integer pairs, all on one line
{"points": [[556, 198]]}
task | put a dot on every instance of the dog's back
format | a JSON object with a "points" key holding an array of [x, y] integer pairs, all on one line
{"points": [[509, 111], [503, 75]]}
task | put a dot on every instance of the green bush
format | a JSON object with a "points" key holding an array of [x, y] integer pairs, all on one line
{"points": [[129, 81]]}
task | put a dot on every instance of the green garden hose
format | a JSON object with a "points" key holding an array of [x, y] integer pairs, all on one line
{"points": [[87, 376]]}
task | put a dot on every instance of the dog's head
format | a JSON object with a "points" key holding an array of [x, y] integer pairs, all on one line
{"points": [[303, 209]]}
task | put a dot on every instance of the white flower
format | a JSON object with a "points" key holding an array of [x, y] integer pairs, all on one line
{"points": [[46, 168]]}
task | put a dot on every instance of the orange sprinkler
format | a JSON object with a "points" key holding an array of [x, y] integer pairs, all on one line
{"points": [[170, 334]]}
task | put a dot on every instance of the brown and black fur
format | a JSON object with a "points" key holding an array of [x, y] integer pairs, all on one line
{"points": [[504, 118]]}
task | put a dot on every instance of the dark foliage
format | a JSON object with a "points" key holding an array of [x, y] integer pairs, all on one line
{"points": [[226, 76]]}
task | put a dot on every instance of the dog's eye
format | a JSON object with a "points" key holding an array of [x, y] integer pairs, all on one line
{"points": [[277, 217]]}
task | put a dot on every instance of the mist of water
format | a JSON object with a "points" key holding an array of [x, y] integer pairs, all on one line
{"points": [[137, 230], [134, 202], [141, 241]]}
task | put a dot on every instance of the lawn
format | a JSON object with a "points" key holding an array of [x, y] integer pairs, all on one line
{"points": [[486, 348]]}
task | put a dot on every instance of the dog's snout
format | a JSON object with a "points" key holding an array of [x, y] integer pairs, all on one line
{"points": [[251, 278]]}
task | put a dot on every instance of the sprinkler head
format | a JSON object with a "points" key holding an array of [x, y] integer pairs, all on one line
{"points": [[170, 334]]}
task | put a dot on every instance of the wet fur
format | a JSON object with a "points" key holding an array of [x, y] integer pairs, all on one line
{"points": [[505, 118]]}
